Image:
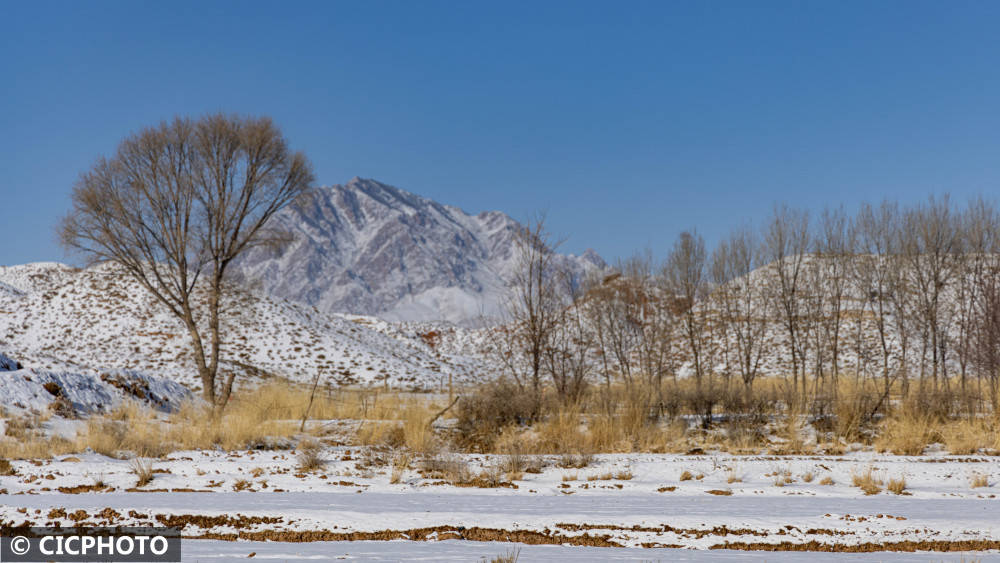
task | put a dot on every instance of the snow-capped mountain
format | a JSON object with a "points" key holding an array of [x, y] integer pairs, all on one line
{"points": [[372, 249], [88, 321]]}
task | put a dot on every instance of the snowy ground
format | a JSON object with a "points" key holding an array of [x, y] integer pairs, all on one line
{"points": [[473, 551], [596, 512]]}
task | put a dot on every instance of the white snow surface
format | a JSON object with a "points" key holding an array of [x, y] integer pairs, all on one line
{"points": [[629, 500], [464, 551]]}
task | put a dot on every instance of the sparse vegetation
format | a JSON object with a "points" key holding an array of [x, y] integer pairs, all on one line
{"points": [[868, 481], [143, 470], [978, 480], [509, 557], [897, 486], [310, 455], [6, 468]]}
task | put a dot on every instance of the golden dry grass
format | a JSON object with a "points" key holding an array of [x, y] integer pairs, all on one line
{"points": [[909, 433], [310, 455], [867, 481], [618, 420], [143, 433], [143, 470], [978, 480], [897, 486]]}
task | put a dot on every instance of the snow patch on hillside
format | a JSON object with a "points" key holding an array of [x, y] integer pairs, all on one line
{"points": [[37, 391]]}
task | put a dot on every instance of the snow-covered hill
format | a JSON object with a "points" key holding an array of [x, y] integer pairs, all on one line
{"points": [[372, 249], [98, 318]]}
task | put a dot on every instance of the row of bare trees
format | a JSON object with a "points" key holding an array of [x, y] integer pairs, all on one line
{"points": [[892, 294]]}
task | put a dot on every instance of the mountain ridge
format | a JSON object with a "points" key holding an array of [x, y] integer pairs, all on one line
{"points": [[369, 248]]}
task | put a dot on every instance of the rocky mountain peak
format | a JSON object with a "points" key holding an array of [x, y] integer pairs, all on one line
{"points": [[369, 248]]}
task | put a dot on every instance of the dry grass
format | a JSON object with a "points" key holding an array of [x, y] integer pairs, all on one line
{"points": [[827, 481], [448, 467], [400, 463], [6, 468], [868, 481], [310, 456], [964, 437], [623, 475], [907, 434], [686, 475], [143, 470], [131, 429], [575, 460], [897, 486], [808, 477], [509, 557], [417, 432], [978, 480], [733, 477], [618, 420], [287, 401]]}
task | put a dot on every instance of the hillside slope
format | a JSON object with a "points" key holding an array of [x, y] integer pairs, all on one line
{"points": [[99, 318]]}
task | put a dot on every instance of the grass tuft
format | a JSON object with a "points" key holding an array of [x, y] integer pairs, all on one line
{"points": [[143, 470]]}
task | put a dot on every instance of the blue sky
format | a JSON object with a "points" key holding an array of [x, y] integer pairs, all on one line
{"points": [[627, 121]]}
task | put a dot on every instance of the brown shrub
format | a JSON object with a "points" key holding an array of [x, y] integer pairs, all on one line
{"points": [[310, 456], [486, 412]]}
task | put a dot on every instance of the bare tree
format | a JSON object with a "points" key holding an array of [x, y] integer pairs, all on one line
{"points": [[176, 205], [986, 332], [786, 244], [980, 224], [533, 305], [834, 256], [617, 316], [930, 245], [568, 358], [686, 277], [742, 300], [874, 273]]}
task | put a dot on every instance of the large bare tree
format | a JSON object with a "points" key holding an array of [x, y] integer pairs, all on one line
{"points": [[176, 204]]}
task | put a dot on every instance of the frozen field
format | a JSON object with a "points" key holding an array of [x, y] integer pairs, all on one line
{"points": [[624, 506]]}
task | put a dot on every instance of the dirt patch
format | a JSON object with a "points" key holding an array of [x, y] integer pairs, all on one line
{"points": [[685, 532], [201, 521], [85, 489], [436, 533]]}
